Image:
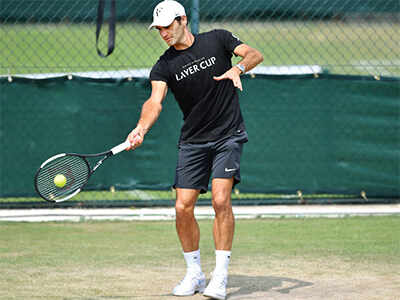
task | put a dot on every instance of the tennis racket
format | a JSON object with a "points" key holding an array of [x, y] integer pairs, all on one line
{"points": [[64, 175]]}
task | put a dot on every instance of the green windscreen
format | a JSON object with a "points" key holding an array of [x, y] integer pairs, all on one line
{"points": [[330, 134]]}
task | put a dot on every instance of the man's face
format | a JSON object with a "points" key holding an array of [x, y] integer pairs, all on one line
{"points": [[173, 33]]}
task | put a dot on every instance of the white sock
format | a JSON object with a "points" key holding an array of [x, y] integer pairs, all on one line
{"points": [[222, 259], [193, 261]]}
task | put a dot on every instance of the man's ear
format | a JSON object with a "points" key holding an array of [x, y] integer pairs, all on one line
{"points": [[184, 20]]}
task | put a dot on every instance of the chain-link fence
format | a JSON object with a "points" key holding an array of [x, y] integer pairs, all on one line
{"points": [[306, 36], [326, 137]]}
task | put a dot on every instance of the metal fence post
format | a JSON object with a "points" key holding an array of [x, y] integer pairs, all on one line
{"points": [[195, 16]]}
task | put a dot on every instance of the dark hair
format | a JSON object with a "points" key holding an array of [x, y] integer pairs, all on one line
{"points": [[179, 18]]}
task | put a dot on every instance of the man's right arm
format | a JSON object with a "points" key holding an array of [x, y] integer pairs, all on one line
{"points": [[151, 109]]}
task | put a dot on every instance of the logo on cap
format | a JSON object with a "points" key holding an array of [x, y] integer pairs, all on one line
{"points": [[158, 10]]}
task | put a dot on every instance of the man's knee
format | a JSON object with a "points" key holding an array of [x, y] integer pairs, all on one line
{"points": [[221, 195], [183, 209], [221, 203], [185, 202]]}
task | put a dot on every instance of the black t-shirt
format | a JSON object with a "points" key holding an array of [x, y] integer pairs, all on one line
{"points": [[210, 108]]}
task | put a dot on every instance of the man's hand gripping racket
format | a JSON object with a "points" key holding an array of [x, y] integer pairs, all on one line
{"points": [[64, 175]]}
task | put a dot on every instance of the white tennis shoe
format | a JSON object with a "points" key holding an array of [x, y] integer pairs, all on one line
{"points": [[216, 289], [191, 284]]}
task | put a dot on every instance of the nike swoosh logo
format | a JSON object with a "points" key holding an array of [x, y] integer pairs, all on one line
{"points": [[229, 170]]}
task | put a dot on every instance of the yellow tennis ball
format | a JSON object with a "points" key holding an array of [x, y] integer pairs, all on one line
{"points": [[60, 180]]}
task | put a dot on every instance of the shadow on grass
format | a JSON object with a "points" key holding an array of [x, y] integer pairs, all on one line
{"points": [[239, 287], [244, 285]]}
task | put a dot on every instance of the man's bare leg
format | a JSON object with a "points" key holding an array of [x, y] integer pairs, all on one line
{"points": [[186, 224], [224, 228], [189, 236], [224, 223]]}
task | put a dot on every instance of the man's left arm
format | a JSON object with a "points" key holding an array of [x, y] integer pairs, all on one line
{"points": [[250, 58]]}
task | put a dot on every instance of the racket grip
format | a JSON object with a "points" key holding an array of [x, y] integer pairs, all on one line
{"points": [[120, 147]]}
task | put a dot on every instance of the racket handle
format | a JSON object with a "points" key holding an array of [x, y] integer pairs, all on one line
{"points": [[120, 147]]}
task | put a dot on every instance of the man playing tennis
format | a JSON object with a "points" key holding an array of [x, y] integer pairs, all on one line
{"points": [[199, 72]]}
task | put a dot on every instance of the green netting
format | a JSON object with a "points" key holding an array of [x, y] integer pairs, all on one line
{"points": [[358, 37], [78, 10], [326, 134], [312, 136]]}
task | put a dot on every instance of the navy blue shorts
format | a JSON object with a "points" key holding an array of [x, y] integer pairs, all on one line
{"points": [[219, 159]]}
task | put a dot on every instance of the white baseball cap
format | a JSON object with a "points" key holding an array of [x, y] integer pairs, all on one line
{"points": [[165, 13]]}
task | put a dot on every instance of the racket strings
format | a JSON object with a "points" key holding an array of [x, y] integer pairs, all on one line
{"points": [[74, 168]]}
